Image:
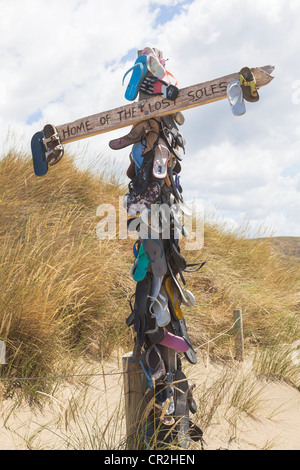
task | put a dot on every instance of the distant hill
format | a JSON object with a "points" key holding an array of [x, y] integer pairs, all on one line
{"points": [[287, 247]]}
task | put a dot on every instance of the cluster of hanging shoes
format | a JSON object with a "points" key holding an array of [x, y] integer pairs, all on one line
{"points": [[155, 205]]}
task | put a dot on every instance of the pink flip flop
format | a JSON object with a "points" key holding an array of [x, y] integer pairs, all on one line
{"points": [[155, 67], [161, 159], [175, 342]]}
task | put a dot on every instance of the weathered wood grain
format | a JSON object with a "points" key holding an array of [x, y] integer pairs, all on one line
{"points": [[129, 115]]}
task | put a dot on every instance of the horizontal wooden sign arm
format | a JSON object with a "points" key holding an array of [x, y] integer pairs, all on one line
{"points": [[131, 114]]}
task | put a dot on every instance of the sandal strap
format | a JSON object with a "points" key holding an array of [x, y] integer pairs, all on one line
{"points": [[200, 266], [171, 75], [251, 84], [132, 68]]}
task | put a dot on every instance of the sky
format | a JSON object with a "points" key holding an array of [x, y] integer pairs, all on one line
{"points": [[64, 60]]}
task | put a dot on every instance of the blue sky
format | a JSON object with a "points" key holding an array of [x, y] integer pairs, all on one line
{"points": [[165, 13], [245, 169]]}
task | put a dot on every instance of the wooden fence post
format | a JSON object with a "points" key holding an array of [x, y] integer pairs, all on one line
{"points": [[239, 335], [135, 387], [2, 353]]}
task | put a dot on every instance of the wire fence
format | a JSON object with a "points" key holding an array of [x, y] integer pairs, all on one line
{"points": [[57, 377]]}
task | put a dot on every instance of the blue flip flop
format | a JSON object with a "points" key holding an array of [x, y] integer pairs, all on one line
{"points": [[136, 249], [137, 153], [139, 71], [148, 375]]}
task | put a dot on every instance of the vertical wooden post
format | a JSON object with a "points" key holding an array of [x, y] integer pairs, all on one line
{"points": [[135, 381], [135, 387], [239, 335]]}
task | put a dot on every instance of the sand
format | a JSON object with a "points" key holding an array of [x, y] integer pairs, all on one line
{"points": [[81, 416]]}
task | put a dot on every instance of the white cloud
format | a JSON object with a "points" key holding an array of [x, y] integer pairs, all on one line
{"points": [[63, 60]]}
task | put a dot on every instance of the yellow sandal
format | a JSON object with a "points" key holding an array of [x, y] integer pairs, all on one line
{"points": [[248, 84]]}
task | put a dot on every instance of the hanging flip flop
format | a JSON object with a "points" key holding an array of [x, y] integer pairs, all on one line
{"points": [[38, 150], [159, 312], [156, 254], [155, 67], [55, 150], [152, 51], [248, 84], [174, 297], [161, 159], [181, 264], [148, 375], [155, 363], [155, 87], [137, 204], [177, 136], [136, 248], [174, 342], [177, 285], [165, 398], [189, 298], [139, 71], [182, 410], [152, 135], [137, 153], [140, 308], [236, 98], [177, 257], [135, 135], [159, 304], [180, 329], [142, 265], [168, 77], [131, 170], [149, 51]]}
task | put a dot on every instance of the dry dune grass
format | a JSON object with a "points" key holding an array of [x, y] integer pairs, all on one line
{"points": [[62, 290], [246, 274], [64, 293]]}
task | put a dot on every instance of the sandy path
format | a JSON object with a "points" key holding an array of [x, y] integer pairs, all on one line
{"points": [[78, 414]]}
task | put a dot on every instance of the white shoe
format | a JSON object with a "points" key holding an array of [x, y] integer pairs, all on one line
{"points": [[159, 304], [236, 98]]}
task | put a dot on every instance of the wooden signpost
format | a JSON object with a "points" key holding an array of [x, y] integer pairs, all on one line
{"points": [[131, 114]]}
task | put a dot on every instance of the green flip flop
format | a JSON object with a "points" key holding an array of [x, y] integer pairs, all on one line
{"points": [[142, 265]]}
